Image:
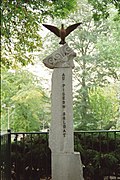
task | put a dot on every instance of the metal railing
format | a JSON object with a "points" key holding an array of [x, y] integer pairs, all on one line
{"points": [[5, 156], [31, 158], [100, 153]]}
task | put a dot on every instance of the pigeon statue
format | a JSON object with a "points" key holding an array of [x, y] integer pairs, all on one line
{"points": [[62, 33]]}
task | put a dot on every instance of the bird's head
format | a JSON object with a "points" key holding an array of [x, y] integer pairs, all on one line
{"points": [[62, 26]]}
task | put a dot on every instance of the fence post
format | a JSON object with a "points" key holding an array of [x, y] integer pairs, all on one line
{"points": [[0, 157], [9, 155]]}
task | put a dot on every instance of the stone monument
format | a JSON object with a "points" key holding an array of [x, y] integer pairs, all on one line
{"points": [[66, 164]]}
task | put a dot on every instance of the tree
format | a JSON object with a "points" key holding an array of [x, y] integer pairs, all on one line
{"points": [[93, 68], [101, 9], [104, 106], [96, 64], [23, 90], [21, 23], [108, 46]]}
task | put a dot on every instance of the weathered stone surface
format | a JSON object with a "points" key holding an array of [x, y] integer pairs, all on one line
{"points": [[66, 164], [61, 129], [63, 57]]}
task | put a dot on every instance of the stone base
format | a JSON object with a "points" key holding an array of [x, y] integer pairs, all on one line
{"points": [[67, 166]]}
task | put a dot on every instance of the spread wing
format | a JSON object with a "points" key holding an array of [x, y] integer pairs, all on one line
{"points": [[71, 28], [53, 29]]}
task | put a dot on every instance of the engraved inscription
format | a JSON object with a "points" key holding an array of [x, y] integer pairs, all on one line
{"points": [[63, 105]]}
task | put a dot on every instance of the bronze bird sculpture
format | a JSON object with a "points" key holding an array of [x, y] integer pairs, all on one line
{"points": [[62, 33]]}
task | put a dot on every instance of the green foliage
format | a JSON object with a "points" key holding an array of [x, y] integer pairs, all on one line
{"points": [[101, 8], [97, 65], [21, 22], [22, 89], [100, 153], [32, 151], [108, 46], [102, 111], [104, 106]]}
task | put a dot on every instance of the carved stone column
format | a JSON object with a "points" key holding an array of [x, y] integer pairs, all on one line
{"points": [[66, 165]]}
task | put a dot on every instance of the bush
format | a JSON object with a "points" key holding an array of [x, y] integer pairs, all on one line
{"points": [[100, 154]]}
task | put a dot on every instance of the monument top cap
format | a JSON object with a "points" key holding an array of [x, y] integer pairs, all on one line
{"points": [[62, 57]]}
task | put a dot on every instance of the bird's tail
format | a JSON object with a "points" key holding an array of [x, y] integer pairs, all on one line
{"points": [[62, 42]]}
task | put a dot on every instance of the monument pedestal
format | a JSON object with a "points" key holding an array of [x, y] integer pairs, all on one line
{"points": [[66, 164], [61, 138]]}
